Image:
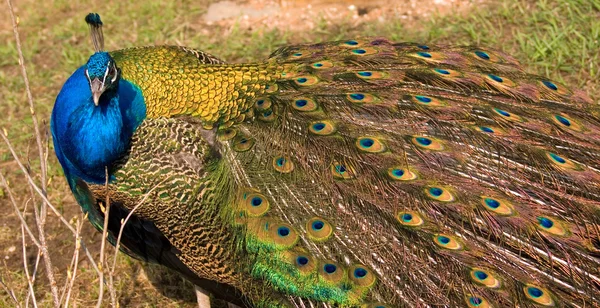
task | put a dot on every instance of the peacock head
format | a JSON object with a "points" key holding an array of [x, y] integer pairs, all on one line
{"points": [[101, 70], [102, 74]]}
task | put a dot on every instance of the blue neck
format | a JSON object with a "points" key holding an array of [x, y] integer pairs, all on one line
{"points": [[89, 138]]}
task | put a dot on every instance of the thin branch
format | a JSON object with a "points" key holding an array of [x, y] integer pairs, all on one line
{"points": [[44, 176], [43, 250], [71, 267], [33, 185], [38, 258], [40, 220], [4, 183], [106, 211], [45, 199], [31, 292], [73, 272], [118, 243], [111, 285], [38, 135], [10, 292], [25, 227]]}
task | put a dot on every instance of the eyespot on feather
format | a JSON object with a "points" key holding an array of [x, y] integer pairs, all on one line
{"points": [[367, 75], [322, 64], [271, 88], [499, 82], [242, 143], [427, 101], [306, 80], [304, 104], [303, 262], [498, 206], [318, 229], [364, 51], [342, 171], [262, 103], [447, 73], [410, 219], [563, 162], [551, 226], [485, 278], [322, 128], [299, 54], [564, 121], [491, 130], [439, 193], [361, 276], [283, 164], [429, 56], [227, 134], [283, 235], [505, 115], [447, 242], [538, 295], [361, 98], [370, 145], [267, 116], [255, 204], [475, 301], [352, 43], [486, 56], [331, 271], [427, 143], [401, 174], [553, 88]]}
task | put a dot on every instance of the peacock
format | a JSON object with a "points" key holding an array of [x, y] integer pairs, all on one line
{"points": [[354, 173]]}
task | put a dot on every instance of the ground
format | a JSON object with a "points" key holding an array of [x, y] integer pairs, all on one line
{"points": [[558, 40]]}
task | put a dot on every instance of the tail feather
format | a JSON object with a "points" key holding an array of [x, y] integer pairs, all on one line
{"points": [[448, 173]]}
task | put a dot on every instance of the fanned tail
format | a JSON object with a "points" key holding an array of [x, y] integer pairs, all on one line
{"points": [[392, 174]]}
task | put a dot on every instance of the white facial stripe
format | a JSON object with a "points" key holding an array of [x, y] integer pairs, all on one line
{"points": [[105, 75], [115, 75]]}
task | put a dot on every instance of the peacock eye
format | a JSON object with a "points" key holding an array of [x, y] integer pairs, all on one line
{"points": [[112, 72]]}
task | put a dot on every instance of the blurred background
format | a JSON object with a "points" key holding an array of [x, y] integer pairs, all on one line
{"points": [[557, 39]]}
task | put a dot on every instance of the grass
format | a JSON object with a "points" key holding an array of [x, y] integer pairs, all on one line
{"points": [[557, 39]]}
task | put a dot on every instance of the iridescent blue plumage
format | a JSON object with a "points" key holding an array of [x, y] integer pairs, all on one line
{"points": [[88, 137], [98, 64]]}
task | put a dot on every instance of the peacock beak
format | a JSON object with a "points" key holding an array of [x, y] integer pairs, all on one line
{"points": [[97, 87]]}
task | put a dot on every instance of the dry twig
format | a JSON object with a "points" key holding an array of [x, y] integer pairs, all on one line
{"points": [[31, 292], [40, 219], [72, 272], [106, 210], [9, 291]]}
